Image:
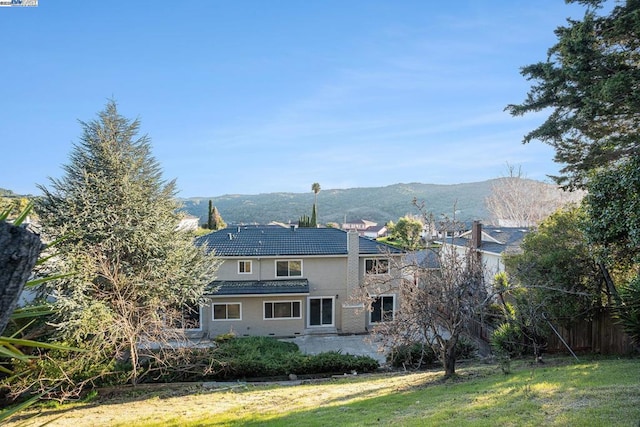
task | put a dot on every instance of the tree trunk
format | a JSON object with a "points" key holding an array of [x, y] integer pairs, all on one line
{"points": [[611, 287], [19, 251], [450, 362]]}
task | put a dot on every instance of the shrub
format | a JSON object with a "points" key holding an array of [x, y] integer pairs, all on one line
{"points": [[506, 340], [261, 357], [336, 362], [466, 349], [419, 355], [416, 356]]}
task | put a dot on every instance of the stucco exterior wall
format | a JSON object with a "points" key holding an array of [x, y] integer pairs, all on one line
{"points": [[253, 322]]}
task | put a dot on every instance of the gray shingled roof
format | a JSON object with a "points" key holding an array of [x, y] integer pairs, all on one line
{"points": [[267, 240], [509, 239], [250, 287], [426, 258]]}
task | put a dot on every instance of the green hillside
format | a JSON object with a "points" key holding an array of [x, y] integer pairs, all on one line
{"points": [[378, 204]]}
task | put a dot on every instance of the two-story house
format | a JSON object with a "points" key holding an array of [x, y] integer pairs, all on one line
{"points": [[277, 281]]}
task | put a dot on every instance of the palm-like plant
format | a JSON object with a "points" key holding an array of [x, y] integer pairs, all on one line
{"points": [[628, 310]]}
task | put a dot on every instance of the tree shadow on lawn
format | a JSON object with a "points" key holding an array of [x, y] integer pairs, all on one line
{"points": [[534, 394]]}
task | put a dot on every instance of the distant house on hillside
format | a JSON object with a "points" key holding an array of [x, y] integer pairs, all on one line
{"points": [[366, 228], [277, 281]]}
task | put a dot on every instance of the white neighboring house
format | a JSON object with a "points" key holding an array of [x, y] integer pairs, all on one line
{"points": [[188, 223], [366, 228], [375, 231], [492, 243]]}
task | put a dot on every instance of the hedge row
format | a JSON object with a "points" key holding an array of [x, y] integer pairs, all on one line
{"points": [[262, 357]]}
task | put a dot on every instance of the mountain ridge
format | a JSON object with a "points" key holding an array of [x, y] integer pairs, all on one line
{"points": [[378, 204]]}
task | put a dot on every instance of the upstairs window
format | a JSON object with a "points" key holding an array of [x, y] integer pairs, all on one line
{"points": [[289, 268], [376, 266], [244, 267]]}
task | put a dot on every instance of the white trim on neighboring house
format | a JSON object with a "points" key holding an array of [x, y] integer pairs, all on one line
{"points": [[227, 304], [333, 311], [273, 317]]}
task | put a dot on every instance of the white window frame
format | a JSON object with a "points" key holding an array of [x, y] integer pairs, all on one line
{"points": [[199, 322], [227, 304], [264, 309], [288, 261], [333, 311], [376, 261], [393, 309], [245, 262]]}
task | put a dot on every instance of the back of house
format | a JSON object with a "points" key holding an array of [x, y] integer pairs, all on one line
{"points": [[289, 281]]}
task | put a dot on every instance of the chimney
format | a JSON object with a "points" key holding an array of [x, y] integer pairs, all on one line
{"points": [[476, 234], [353, 261]]}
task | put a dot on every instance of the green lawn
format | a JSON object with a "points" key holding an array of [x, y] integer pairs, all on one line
{"points": [[603, 392]]}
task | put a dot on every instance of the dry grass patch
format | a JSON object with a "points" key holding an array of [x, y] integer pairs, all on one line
{"points": [[604, 392]]}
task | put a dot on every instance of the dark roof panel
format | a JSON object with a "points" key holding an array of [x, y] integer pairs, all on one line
{"points": [[252, 287], [281, 241], [507, 239]]}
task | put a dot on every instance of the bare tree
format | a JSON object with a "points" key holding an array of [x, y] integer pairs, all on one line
{"points": [[516, 201], [436, 305]]}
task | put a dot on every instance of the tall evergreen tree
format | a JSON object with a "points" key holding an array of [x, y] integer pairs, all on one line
{"points": [[133, 270], [590, 84], [214, 220], [210, 215], [313, 222], [217, 222]]}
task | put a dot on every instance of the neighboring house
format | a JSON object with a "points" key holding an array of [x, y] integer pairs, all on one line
{"points": [[374, 231], [276, 281], [366, 228], [188, 223], [491, 243], [359, 225]]}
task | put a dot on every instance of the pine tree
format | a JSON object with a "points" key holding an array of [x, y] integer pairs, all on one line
{"points": [[133, 271]]}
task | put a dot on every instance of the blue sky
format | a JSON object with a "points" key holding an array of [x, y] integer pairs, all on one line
{"points": [[249, 97]]}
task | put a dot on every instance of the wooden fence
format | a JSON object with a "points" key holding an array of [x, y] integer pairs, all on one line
{"points": [[601, 334]]}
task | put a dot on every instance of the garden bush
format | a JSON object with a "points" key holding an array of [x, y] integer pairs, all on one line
{"points": [[413, 356], [420, 355], [261, 357], [507, 340]]}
